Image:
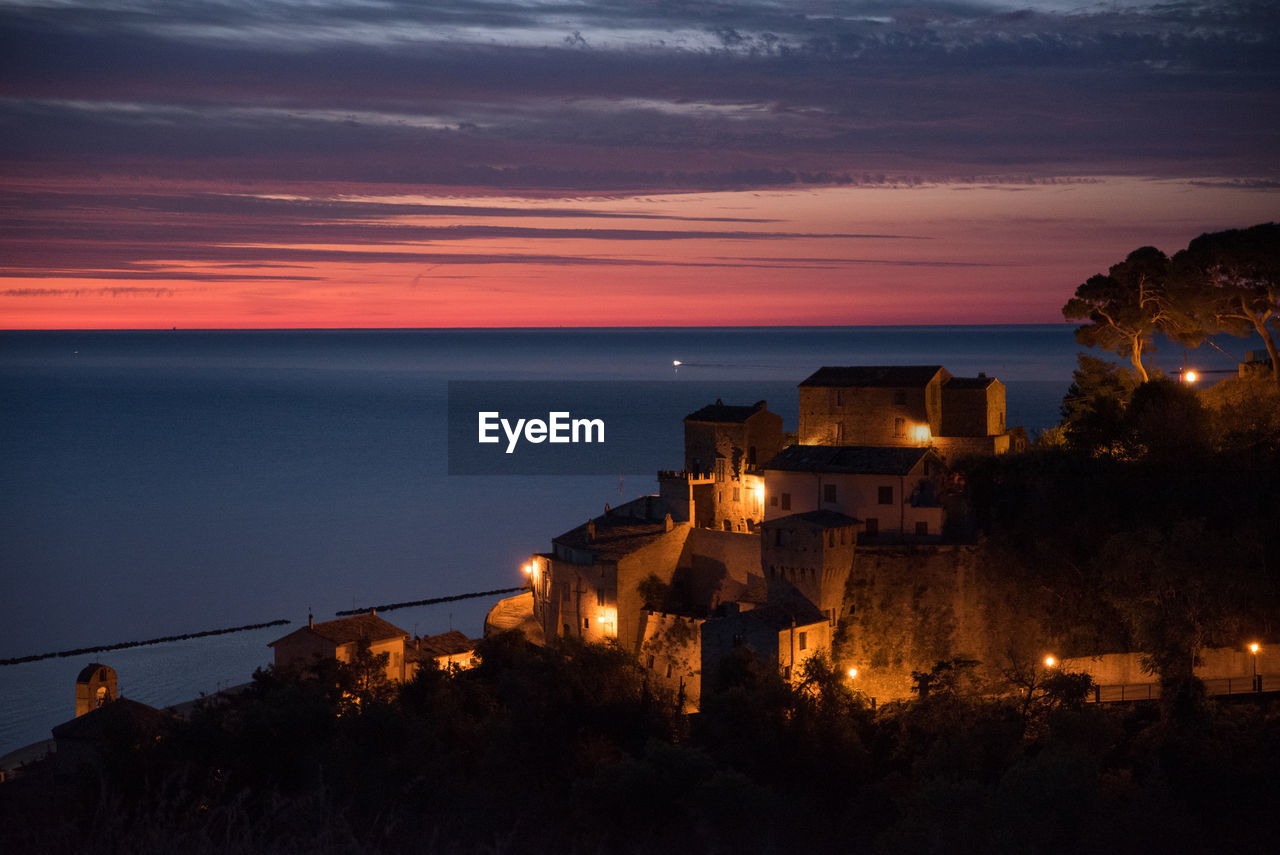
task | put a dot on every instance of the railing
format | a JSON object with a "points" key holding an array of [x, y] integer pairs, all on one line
{"points": [[1243, 685]]}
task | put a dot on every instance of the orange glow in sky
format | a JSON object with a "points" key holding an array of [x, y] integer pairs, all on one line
{"points": [[946, 253]]}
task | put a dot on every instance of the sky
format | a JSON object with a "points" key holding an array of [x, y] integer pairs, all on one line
{"points": [[386, 163]]}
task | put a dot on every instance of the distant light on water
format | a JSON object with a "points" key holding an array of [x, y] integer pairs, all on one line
{"points": [[677, 363]]}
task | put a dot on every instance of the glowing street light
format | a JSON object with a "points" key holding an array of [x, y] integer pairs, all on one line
{"points": [[528, 569], [1050, 662], [853, 673], [1190, 377], [1254, 648], [921, 434]]}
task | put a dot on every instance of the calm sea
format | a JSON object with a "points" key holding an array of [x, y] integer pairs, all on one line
{"points": [[160, 483]]}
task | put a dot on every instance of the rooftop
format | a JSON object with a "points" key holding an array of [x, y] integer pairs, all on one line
{"points": [[873, 375], [821, 518], [979, 382], [848, 459], [448, 643], [722, 412], [780, 616], [119, 716], [615, 536], [363, 627]]}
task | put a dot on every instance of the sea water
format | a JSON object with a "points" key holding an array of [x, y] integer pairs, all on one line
{"points": [[163, 483]]}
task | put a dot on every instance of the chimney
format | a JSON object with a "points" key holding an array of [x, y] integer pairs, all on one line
{"points": [[591, 531], [668, 522], [311, 620]]}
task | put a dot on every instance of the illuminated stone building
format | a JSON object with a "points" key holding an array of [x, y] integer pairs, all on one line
{"points": [[893, 491], [341, 639], [720, 486], [904, 405]]}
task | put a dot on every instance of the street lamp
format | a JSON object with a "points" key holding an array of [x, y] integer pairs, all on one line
{"points": [[853, 673], [1254, 648]]}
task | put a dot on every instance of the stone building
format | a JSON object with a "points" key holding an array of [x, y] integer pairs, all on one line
{"points": [[872, 405], [809, 556], [904, 405], [96, 686], [341, 639], [719, 486], [893, 491], [599, 578], [787, 634], [447, 650]]}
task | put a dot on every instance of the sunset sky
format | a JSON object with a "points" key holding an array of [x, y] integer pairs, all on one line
{"points": [[357, 163]]}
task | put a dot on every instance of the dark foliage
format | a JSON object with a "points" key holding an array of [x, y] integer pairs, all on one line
{"points": [[541, 751]]}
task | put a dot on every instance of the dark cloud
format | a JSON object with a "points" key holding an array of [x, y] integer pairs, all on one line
{"points": [[670, 95]]}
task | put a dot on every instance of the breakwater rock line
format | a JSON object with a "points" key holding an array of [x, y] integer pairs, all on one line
{"points": [[81, 651]]}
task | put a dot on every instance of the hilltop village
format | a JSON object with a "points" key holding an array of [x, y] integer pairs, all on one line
{"points": [[763, 539]]}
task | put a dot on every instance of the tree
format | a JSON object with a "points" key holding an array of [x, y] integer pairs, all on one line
{"points": [[1166, 420], [1127, 306], [1093, 408], [1232, 283]]}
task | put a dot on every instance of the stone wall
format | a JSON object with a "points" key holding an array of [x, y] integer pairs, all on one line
{"points": [[911, 607]]}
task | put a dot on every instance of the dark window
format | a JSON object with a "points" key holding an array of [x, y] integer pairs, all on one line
{"points": [[804, 641], [886, 495], [600, 597], [786, 501], [828, 492], [586, 623], [737, 640], [922, 529], [720, 468], [751, 455], [668, 669], [725, 524], [773, 501], [873, 526], [839, 433], [650, 664], [900, 397], [831, 538], [899, 427], [736, 495]]}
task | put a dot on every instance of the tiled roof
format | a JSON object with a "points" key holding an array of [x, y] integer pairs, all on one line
{"points": [[873, 375], [779, 616], [722, 412], [821, 518], [120, 715], [616, 537], [969, 382], [848, 459], [446, 644], [367, 627]]}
